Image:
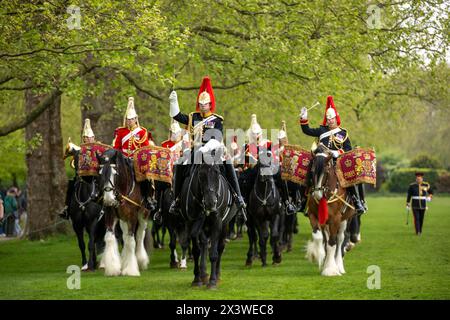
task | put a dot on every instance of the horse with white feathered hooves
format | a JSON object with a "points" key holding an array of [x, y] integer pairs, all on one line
{"points": [[329, 212], [123, 202]]}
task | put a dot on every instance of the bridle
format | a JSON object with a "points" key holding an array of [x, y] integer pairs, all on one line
{"points": [[323, 188], [112, 179], [267, 180]]}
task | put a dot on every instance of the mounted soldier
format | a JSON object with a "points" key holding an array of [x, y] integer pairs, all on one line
{"points": [[131, 137], [294, 189], [176, 144], [206, 130], [335, 138], [86, 137], [251, 154]]}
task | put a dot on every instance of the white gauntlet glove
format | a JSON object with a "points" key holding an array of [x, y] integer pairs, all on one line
{"points": [[335, 153], [304, 113], [174, 108]]}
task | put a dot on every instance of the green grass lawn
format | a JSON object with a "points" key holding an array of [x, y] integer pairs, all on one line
{"points": [[411, 267]]}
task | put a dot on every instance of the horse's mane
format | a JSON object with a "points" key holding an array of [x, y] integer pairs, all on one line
{"points": [[319, 162]]}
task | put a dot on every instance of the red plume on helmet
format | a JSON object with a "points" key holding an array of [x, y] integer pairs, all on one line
{"points": [[206, 86], [330, 104]]}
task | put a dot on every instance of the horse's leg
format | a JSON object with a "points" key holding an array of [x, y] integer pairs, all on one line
{"points": [[184, 241], [173, 249], [275, 239], [196, 254], [78, 228], [155, 236], [330, 267], [203, 255], [315, 251], [340, 240], [251, 243], [213, 252], [141, 253], [220, 249], [92, 226], [263, 234], [163, 234], [129, 261], [111, 258]]}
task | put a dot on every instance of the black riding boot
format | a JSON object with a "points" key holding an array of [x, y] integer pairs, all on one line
{"points": [[356, 200], [362, 196], [282, 185], [233, 180], [306, 189], [178, 178], [157, 217], [64, 214], [149, 202]]}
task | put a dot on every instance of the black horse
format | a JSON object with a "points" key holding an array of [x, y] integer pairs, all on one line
{"points": [[208, 206], [265, 211], [85, 213], [289, 222], [176, 226]]}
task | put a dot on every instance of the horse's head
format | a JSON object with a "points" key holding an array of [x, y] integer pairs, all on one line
{"points": [[109, 176], [266, 165], [209, 181], [320, 168], [72, 150]]}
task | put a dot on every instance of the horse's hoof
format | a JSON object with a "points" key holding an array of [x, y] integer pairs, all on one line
{"points": [[212, 286], [174, 265], [264, 264], [205, 279], [196, 284], [248, 263]]}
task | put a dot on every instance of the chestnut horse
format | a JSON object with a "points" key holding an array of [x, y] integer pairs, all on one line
{"points": [[122, 201], [329, 211]]}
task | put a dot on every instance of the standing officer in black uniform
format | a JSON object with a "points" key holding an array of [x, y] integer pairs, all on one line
{"points": [[199, 123], [420, 192], [335, 138]]}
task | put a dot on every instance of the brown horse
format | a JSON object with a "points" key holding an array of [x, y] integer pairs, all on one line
{"points": [[328, 211], [122, 200]]}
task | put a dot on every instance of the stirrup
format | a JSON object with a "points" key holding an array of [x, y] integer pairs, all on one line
{"points": [[157, 217], [64, 214], [175, 207]]}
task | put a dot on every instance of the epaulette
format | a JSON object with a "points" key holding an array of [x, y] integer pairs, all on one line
{"points": [[424, 182], [412, 183], [218, 116]]}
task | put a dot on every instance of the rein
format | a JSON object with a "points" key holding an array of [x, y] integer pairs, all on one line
{"points": [[92, 196], [270, 180]]}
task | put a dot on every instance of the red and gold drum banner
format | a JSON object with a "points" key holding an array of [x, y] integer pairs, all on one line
{"points": [[357, 166], [87, 160], [294, 165], [153, 162]]}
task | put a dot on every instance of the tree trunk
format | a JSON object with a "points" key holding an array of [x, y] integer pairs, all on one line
{"points": [[46, 181], [99, 108]]}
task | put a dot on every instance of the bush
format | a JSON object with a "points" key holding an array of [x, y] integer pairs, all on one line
{"points": [[400, 179], [443, 183], [425, 161]]}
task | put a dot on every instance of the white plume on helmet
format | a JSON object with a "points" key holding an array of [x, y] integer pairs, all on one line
{"points": [[87, 130]]}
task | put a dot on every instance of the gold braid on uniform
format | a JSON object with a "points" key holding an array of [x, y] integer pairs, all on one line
{"points": [[141, 141], [338, 145]]}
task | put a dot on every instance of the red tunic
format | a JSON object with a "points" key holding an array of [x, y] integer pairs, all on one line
{"points": [[127, 141], [167, 144], [251, 151]]}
